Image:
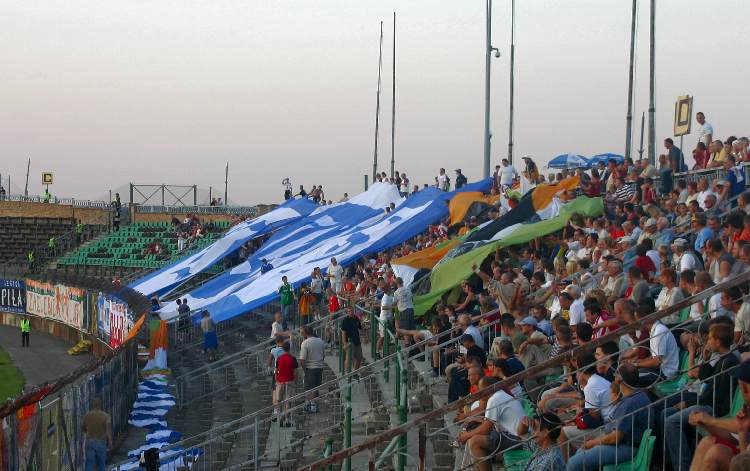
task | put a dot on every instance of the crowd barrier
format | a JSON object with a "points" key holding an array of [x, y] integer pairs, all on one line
{"points": [[42, 429]]}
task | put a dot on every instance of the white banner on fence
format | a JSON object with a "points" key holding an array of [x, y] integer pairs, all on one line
{"points": [[58, 302]]}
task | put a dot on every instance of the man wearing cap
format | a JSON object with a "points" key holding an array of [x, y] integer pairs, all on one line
{"points": [[649, 231], [728, 436], [615, 282], [460, 179]]}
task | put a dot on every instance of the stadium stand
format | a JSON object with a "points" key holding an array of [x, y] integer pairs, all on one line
{"points": [[19, 235], [140, 245]]}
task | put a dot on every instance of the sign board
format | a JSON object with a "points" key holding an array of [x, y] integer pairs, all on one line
{"points": [[12, 296], [47, 178], [683, 112], [57, 302], [114, 320]]}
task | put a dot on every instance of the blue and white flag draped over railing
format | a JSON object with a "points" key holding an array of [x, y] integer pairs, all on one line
{"points": [[171, 276]]}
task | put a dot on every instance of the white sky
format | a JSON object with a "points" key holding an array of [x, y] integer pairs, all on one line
{"points": [[166, 91]]}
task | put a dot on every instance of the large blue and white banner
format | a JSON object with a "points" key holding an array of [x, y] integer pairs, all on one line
{"points": [[296, 259], [171, 276]]}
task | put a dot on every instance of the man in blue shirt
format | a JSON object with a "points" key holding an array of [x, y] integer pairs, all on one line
{"points": [[676, 159], [702, 233], [265, 266], [735, 177], [622, 434]]}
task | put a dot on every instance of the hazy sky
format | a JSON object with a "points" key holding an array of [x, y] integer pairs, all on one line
{"points": [[104, 93]]}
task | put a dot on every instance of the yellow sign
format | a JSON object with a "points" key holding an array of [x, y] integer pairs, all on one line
{"points": [[47, 178], [682, 113]]}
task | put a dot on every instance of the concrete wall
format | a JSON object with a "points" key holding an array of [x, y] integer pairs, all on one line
{"points": [[48, 210], [58, 329]]}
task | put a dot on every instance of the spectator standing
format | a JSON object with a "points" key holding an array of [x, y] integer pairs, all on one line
{"points": [[335, 274], [286, 365], [460, 179], [312, 360], [351, 341], [25, 331], [97, 426], [705, 131], [387, 303], [675, 158], [210, 342], [403, 298], [443, 181], [507, 175], [286, 292]]}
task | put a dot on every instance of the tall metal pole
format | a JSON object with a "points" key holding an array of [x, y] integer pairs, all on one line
{"points": [[488, 51], [393, 103], [651, 89], [377, 107], [512, 76], [226, 185], [631, 71], [643, 125], [26, 188]]}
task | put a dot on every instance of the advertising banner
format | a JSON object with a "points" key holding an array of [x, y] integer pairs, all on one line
{"points": [[12, 295], [114, 320], [57, 302]]}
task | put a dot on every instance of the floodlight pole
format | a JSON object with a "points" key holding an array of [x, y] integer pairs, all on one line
{"points": [[631, 70]]}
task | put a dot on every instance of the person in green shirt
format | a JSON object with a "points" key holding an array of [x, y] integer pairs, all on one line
{"points": [[287, 301], [25, 331], [30, 258], [79, 232], [47, 196], [51, 245]]}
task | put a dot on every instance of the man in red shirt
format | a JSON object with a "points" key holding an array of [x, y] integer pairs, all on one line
{"points": [[286, 364]]}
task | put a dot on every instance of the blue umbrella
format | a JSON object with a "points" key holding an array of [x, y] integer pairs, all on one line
{"points": [[569, 161], [605, 158]]}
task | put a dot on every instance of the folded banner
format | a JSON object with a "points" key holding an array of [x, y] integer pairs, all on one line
{"points": [[12, 296], [171, 276], [57, 302], [456, 266]]}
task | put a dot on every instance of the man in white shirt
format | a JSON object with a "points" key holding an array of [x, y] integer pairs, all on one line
{"points": [[705, 131], [335, 274], [386, 315], [684, 259], [498, 431], [596, 400], [442, 180], [704, 192], [316, 288], [665, 355], [403, 298], [577, 312], [508, 173], [312, 359]]}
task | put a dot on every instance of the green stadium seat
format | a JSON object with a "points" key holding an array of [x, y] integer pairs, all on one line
{"points": [[642, 460], [667, 388]]}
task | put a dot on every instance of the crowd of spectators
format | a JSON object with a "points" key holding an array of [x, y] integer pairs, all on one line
{"points": [[661, 239]]}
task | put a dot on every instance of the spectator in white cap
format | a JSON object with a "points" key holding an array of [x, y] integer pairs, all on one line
{"points": [[649, 231]]}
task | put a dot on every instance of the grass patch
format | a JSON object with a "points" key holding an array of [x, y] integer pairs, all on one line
{"points": [[11, 378]]}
